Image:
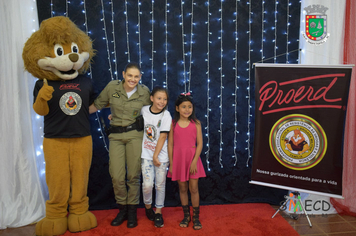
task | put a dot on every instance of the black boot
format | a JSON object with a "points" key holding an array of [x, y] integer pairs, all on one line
{"points": [[132, 216], [121, 216]]}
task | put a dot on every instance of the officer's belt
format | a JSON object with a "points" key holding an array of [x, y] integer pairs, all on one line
{"points": [[123, 129]]}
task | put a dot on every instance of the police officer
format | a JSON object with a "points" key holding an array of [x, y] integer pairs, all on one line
{"points": [[126, 98]]}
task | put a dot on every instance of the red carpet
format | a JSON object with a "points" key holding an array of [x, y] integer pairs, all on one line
{"points": [[252, 219]]}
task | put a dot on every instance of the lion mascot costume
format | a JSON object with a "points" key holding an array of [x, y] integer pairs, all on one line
{"points": [[57, 54]]}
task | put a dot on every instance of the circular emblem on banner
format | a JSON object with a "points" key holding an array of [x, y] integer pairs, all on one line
{"points": [[70, 103], [298, 142], [151, 132]]}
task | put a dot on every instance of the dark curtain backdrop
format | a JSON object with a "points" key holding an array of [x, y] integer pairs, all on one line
{"points": [[214, 70]]}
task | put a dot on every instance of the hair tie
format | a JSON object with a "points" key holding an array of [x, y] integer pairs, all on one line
{"points": [[185, 94]]}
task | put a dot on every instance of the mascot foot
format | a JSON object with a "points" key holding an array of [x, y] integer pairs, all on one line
{"points": [[77, 223], [51, 227]]}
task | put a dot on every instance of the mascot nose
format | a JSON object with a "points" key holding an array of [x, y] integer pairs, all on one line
{"points": [[73, 57]]}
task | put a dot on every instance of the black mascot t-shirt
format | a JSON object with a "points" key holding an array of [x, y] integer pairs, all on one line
{"points": [[68, 115]]}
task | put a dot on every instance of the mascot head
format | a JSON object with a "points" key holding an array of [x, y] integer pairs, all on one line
{"points": [[59, 50], [298, 137]]}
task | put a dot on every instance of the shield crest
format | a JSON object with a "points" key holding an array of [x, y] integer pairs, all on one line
{"points": [[315, 27]]}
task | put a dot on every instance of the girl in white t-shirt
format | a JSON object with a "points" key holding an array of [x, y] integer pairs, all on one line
{"points": [[155, 161]]}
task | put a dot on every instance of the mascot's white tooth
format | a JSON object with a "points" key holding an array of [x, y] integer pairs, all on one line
{"points": [[69, 95]]}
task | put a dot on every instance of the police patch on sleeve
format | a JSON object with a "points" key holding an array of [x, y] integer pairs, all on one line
{"points": [[70, 103]]}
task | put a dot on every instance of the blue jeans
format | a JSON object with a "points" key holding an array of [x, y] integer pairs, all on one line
{"points": [[154, 176]]}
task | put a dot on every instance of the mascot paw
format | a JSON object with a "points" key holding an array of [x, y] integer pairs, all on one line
{"points": [[51, 227], [46, 91], [77, 223]]}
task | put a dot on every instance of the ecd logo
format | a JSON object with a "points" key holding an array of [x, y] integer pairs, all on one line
{"points": [[295, 204]]}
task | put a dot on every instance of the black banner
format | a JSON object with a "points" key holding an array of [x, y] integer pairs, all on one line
{"points": [[299, 126]]}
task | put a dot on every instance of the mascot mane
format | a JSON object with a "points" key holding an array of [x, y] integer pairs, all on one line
{"points": [[57, 30]]}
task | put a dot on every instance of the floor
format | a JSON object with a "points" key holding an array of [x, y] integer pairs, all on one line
{"points": [[322, 225]]}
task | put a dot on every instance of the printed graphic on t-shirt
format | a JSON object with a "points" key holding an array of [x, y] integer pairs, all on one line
{"points": [[151, 132], [69, 86], [70, 103], [151, 135]]}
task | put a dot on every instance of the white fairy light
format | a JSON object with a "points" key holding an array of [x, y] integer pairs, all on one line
{"points": [[91, 76], [113, 38], [236, 87], [275, 30], [263, 29], [287, 33], [183, 43], [166, 42], [127, 33], [52, 12], [106, 38], [249, 85], [102, 135], [221, 85], [152, 42], [86, 29], [208, 88], [139, 34], [66, 13], [191, 44], [269, 29]]}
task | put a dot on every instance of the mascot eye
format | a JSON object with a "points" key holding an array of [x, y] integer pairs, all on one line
{"points": [[75, 48], [58, 50]]}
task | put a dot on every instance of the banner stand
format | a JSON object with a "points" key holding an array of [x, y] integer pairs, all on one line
{"points": [[300, 113], [295, 216]]}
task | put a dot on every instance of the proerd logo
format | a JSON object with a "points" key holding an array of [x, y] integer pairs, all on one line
{"points": [[298, 142]]}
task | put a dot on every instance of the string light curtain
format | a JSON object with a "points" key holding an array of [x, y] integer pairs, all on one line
{"points": [[207, 48]]}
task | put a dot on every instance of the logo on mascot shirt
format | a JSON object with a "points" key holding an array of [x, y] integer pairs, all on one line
{"points": [[298, 142], [70, 103], [69, 86]]}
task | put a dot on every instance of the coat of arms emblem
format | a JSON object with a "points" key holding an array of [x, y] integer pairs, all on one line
{"points": [[316, 23]]}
